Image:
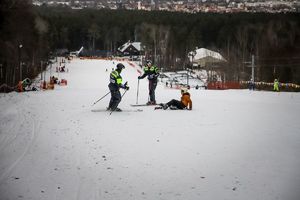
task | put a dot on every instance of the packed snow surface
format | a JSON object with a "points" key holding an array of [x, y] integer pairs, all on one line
{"points": [[234, 144]]}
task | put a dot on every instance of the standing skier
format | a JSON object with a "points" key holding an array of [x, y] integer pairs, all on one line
{"points": [[251, 84], [152, 72], [276, 85], [114, 87], [185, 102]]}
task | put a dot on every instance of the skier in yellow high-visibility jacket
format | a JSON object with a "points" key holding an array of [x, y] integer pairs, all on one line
{"points": [[276, 85]]}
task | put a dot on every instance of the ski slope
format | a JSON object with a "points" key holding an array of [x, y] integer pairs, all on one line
{"points": [[234, 144]]}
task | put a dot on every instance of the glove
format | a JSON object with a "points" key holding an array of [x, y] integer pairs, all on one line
{"points": [[126, 88], [139, 77], [151, 76]]}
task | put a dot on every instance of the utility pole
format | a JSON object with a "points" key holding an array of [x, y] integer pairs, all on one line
{"points": [[41, 70], [252, 81], [1, 71], [20, 62], [252, 67], [187, 75], [252, 74], [191, 54], [50, 70]]}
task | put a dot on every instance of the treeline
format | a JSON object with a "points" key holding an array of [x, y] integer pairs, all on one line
{"points": [[274, 39], [23, 42]]}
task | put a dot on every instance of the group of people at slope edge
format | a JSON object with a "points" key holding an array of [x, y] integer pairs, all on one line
{"points": [[152, 73]]}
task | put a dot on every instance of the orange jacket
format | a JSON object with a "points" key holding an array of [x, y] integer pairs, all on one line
{"points": [[20, 86], [186, 100]]}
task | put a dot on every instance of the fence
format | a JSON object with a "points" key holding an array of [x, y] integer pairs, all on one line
{"points": [[223, 85], [287, 87]]}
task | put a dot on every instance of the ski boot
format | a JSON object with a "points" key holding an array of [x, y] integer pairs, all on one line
{"points": [[165, 106], [151, 103], [118, 110]]}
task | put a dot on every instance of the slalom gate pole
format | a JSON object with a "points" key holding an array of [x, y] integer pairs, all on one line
{"points": [[101, 98], [121, 99], [137, 94], [149, 92]]}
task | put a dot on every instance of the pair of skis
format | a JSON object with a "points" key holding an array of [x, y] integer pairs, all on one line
{"points": [[140, 105], [158, 106], [126, 110]]}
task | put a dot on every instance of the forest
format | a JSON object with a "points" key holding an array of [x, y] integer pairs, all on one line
{"points": [[30, 35]]}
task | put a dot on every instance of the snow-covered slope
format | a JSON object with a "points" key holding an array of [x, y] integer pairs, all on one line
{"points": [[234, 144]]}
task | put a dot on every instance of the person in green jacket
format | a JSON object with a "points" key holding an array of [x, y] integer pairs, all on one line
{"points": [[151, 71], [276, 85]]}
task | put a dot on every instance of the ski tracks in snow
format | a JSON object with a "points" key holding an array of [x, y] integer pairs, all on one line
{"points": [[17, 140]]}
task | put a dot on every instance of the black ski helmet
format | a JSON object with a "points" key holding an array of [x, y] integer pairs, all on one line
{"points": [[120, 66], [148, 62]]}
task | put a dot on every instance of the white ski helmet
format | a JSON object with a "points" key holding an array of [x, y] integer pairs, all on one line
{"points": [[184, 90]]}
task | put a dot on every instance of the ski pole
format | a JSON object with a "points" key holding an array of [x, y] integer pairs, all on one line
{"points": [[137, 93], [101, 98], [121, 99], [149, 91]]}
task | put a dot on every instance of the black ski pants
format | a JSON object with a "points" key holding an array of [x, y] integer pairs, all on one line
{"points": [[115, 97], [152, 87], [175, 103]]}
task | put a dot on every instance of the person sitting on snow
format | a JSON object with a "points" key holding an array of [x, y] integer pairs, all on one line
{"points": [[185, 103], [53, 80]]}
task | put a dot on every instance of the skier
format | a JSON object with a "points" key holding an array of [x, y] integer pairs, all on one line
{"points": [[114, 87], [251, 84], [185, 103], [24, 85], [152, 72], [276, 85]]}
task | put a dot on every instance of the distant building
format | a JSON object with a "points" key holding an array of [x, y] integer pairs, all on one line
{"points": [[139, 5], [130, 49], [189, 6], [205, 57]]}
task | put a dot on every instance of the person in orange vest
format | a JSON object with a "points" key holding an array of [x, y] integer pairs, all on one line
{"points": [[20, 86], [184, 103]]}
